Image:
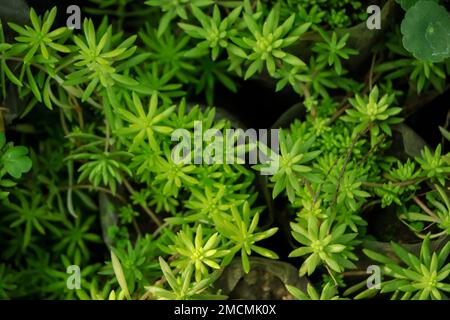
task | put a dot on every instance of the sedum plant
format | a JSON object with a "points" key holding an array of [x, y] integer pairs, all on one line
{"points": [[440, 216], [95, 53], [292, 165], [215, 32], [196, 251], [328, 293], [373, 113], [89, 175], [323, 244], [423, 277], [181, 286], [241, 231], [267, 42]]}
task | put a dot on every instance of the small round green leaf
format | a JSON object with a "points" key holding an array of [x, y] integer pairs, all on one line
{"points": [[426, 31]]}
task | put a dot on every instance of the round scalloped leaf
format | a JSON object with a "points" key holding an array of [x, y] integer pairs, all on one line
{"points": [[407, 4], [426, 31]]}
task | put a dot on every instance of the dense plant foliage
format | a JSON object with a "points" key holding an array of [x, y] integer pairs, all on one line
{"points": [[88, 177]]}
